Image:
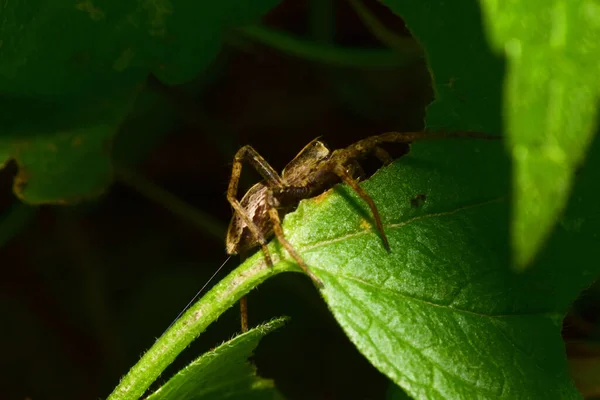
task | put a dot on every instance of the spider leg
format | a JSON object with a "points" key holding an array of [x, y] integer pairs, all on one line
{"points": [[345, 176], [252, 226], [244, 313], [383, 155], [263, 245], [362, 147], [274, 215], [251, 156], [356, 171], [272, 179]]}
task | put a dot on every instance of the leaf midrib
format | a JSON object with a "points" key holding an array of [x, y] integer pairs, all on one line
{"points": [[395, 225], [549, 314]]}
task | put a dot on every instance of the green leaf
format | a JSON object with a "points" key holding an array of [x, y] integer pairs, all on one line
{"points": [[549, 99], [442, 315], [56, 170], [551, 102], [467, 77], [69, 74], [195, 31], [223, 373], [63, 153], [109, 45]]}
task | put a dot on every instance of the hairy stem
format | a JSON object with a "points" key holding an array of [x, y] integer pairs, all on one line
{"points": [[214, 303]]}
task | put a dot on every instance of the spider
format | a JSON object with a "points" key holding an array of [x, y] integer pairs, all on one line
{"points": [[315, 169]]}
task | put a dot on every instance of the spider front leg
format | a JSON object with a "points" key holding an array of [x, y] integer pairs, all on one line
{"points": [[272, 179], [277, 229]]}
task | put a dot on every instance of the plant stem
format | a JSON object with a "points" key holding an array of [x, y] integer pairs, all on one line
{"points": [[333, 55], [214, 303], [205, 222], [321, 20], [384, 34]]}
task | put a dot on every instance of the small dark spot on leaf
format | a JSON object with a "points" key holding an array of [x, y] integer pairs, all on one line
{"points": [[418, 200]]}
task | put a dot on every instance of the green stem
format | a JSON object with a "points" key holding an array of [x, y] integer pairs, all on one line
{"points": [[321, 20], [214, 303], [386, 36], [205, 222], [333, 55]]}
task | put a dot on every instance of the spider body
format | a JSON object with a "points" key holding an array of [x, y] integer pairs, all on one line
{"points": [[296, 182]]}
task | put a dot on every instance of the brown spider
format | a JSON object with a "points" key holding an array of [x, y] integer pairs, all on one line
{"points": [[315, 169]]}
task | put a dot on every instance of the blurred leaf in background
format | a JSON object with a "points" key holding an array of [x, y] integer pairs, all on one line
{"points": [[551, 97], [63, 100]]}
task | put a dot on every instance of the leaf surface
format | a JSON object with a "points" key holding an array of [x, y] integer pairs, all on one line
{"points": [[528, 69], [551, 99], [224, 373], [442, 315]]}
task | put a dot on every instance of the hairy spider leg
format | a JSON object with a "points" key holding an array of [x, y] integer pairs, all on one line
{"points": [[383, 156], [244, 313], [347, 178], [343, 157], [244, 325], [271, 177], [250, 155], [371, 144], [274, 215], [400, 137]]}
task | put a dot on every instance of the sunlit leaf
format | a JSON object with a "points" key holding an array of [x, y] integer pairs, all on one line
{"points": [[551, 99], [442, 315]]}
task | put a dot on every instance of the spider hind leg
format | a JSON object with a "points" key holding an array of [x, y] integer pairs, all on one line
{"points": [[347, 178]]}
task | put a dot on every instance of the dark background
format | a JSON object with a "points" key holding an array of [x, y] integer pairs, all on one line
{"points": [[86, 289]]}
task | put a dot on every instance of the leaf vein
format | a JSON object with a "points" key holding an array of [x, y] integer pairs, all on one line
{"points": [[350, 235]]}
